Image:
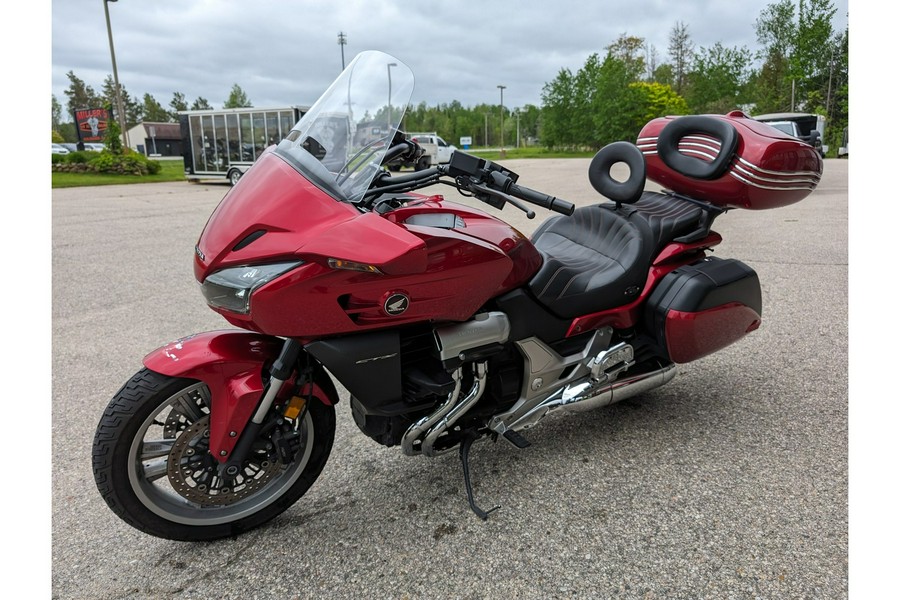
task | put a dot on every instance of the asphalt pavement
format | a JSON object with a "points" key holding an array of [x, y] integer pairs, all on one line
{"points": [[729, 482]]}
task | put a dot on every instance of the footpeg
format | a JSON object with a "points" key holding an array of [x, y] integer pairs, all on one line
{"points": [[516, 439]]}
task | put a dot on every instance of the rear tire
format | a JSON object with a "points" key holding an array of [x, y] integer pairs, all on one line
{"points": [[423, 163], [234, 176], [148, 435]]}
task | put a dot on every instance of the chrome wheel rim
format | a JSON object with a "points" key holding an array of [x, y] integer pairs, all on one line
{"points": [[165, 480]]}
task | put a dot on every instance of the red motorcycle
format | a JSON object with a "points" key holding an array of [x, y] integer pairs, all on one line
{"points": [[445, 324]]}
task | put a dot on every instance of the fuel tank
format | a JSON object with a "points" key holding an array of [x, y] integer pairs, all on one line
{"points": [[428, 261]]}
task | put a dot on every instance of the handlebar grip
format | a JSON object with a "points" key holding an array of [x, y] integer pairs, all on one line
{"points": [[543, 200]]}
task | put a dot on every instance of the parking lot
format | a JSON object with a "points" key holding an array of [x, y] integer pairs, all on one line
{"points": [[729, 482]]}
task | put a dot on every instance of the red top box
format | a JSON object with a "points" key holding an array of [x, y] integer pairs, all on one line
{"points": [[732, 160]]}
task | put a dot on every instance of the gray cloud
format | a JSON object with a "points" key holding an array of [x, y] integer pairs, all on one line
{"points": [[286, 52]]}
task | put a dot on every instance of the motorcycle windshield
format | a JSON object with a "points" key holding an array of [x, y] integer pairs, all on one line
{"points": [[340, 143]]}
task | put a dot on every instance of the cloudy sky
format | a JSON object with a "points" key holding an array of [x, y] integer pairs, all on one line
{"points": [[284, 52]]}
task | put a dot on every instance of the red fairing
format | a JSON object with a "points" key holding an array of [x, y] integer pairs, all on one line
{"points": [[446, 272], [693, 335], [770, 169], [230, 363]]}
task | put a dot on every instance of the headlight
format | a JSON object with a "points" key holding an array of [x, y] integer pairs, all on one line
{"points": [[230, 289]]}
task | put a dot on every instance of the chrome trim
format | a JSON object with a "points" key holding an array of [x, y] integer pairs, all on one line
{"points": [[779, 173], [772, 187], [788, 179]]}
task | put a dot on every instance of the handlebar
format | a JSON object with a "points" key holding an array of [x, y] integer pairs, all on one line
{"points": [[489, 182], [543, 200]]}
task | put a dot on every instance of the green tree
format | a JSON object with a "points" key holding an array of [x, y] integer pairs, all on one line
{"points": [[558, 104], [237, 98], [814, 47], [718, 79], [134, 111], [55, 113], [178, 103], [629, 50], [113, 134], [614, 103], [201, 103], [652, 100], [80, 95], [154, 112], [800, 50], [681, 53]]}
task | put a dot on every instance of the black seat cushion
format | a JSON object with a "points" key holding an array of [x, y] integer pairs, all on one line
{"points": [[599, 257]]}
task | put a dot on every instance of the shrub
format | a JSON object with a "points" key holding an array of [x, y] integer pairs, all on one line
{"points": [[128, 163]]}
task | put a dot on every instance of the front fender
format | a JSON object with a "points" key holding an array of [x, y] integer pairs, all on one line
{"points": [[230, 363]]}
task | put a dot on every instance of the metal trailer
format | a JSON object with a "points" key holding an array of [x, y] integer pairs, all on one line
{"points": [[223, 144]]}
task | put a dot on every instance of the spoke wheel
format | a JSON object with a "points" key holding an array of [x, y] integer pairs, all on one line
{"points": [[153, 467]]}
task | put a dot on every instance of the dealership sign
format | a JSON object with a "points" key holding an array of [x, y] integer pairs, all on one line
{"points": [[92, 124]]}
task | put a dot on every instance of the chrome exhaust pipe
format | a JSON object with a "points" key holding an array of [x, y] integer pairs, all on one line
{"points": [[420, 427], [620, 389], [589, 394], [474, 395]]}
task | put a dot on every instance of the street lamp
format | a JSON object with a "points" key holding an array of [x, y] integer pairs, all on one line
{"points": [[112, 51], [502, 87], [390, 108]]}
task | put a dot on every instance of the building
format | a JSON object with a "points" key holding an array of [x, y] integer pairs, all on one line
{"points": [[156, 139]]}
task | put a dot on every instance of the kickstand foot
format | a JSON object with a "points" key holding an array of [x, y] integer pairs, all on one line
{"points": [[464, 458]]}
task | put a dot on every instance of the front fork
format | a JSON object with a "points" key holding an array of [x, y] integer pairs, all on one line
{"points": [[281, 370], [231, 364]]}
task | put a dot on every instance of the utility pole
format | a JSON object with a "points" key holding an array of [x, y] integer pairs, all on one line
{"points": [[342, 40], [120, 108]]}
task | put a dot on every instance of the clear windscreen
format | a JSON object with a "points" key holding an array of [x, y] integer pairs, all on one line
{"points": [[340, 143]]}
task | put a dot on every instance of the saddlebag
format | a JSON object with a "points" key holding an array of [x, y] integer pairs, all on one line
{"points": [[698, 309]]}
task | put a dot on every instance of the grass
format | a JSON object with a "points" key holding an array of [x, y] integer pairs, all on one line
{"points": [[530, 152], [172, 170]]}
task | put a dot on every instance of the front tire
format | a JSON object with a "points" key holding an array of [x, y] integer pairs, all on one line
{"points": [[153, 470]]}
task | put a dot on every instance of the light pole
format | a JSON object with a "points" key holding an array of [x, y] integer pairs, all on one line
{"points": [[342, 40], [502, 87], [390, 108], [517, 128], [112, 51]]}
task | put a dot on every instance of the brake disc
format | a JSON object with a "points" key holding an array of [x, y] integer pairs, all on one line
{"points": [[196, 475]]}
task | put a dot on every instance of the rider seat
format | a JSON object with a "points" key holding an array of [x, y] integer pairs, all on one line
{"points": [[599, 257]]}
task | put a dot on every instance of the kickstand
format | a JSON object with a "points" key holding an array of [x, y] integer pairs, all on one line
{"points": [[464, 457]]}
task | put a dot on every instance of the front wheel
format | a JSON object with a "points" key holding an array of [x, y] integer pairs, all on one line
{"points": [[153, 468]]}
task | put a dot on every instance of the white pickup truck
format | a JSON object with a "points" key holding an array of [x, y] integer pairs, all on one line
{"points": [[436, 151], [809, 128]]}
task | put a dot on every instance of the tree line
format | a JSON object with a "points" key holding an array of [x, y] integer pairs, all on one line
{"points": [[801, 65]]}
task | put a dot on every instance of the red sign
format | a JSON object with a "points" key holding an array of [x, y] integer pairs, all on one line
{"points": [[92, 124]]}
